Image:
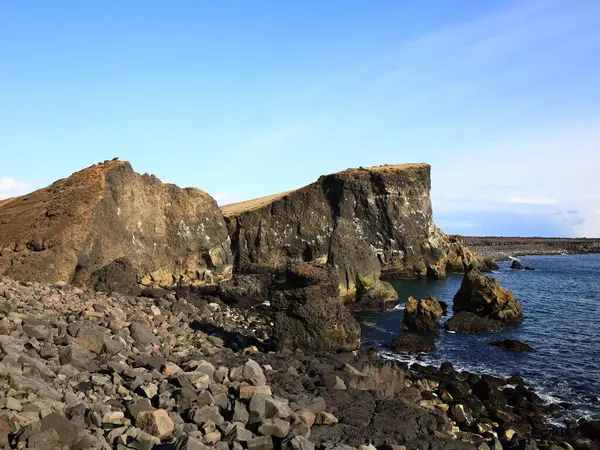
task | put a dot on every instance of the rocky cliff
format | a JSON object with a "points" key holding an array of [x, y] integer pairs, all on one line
{"points": [[366, 221], [109, 227]]}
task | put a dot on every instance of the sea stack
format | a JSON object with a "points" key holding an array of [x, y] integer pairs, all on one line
{"points": [[485, 298]]}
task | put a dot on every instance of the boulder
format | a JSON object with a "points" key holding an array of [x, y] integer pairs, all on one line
{"points": [[308, 312], [490, 264], [422, 315], [365, 221], [412, 343], [110, 228], [512, 345], [487, 298], [243, 290], [250, 372], [380, 296], [467, 322], [157, 423], [516, 265]]}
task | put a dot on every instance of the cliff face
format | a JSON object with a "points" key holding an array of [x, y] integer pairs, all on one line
{"points": [[365, 221], [105, 220]]}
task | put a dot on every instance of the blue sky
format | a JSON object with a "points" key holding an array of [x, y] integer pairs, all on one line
{"points": [[244, 99]]}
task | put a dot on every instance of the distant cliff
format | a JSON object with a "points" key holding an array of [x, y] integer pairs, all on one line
{"points": [[367, 221], [106, 226]]}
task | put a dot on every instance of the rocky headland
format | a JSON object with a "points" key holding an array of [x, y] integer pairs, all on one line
{"points": [[368, 222], [136, 314], [111, 228], [502, 248]]}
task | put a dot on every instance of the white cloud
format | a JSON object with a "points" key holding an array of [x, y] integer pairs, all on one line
{"points": [[548, 175], [226, 198], [9, 187], [532, 200]]}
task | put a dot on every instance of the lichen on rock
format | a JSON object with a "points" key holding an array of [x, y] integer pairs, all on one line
{"points": [[422, 315]]}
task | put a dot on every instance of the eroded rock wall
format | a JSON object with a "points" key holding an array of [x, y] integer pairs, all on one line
{"points": [[106, 222], [364, 221]]}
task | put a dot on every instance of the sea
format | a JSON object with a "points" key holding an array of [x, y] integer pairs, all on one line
{"points": [[561, 304]]}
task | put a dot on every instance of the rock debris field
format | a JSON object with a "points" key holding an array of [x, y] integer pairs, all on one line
{"points": [[83, 369]]}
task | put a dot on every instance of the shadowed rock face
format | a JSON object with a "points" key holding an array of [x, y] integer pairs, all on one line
{"points": [[308, 312], [364, 221], [108, 226]]}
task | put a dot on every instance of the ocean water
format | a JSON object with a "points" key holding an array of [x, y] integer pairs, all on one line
{"points": [[561, 303]]}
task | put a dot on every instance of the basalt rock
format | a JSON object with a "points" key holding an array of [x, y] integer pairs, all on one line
{"points": [[367, 222], [422, 315], [412, 343], [516, 265], [381, 296], [487, 298], [467, 322], [108, 227], [243, 290], [308, 312], [512, 345]]}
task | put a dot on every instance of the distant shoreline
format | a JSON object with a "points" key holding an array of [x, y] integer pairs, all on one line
{"points": [[501, 248]]}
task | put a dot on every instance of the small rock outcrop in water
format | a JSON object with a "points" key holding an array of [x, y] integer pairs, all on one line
{"points": [[413, 343], [422, 315], [309, 313], [109, 227], [364, 221], [381, 296], [516, 265], [512, 345], [487, 298]]}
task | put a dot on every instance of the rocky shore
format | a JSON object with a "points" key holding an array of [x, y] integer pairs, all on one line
{"points": [[502, 248], [136, 314], [82, 369]]}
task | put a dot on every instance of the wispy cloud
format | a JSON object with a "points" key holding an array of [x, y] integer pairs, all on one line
{"points": [[226, 198], [532, 200], [10, 187]]}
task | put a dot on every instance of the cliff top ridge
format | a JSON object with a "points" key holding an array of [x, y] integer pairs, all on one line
{"points": [[237, 208]]}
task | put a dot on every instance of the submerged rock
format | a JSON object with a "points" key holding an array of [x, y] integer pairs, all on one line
{"points": [[422, 315], [487, 298], [512, 345], [467, 322], [413, 343]]}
